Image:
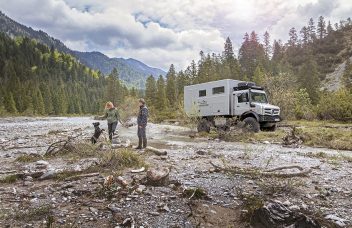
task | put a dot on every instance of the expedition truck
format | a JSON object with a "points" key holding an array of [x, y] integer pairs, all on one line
{"points": [[225, 100]]}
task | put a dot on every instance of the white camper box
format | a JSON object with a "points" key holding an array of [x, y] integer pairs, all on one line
{"points": [[210, 98]]}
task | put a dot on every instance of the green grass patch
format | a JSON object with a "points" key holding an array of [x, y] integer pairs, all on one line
{"points": [[66, 174], [262, 136], [27, 158], [33, 214], [9, 179], [120, 159], [334, 138]]}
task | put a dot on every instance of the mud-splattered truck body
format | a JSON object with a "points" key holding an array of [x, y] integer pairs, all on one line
{"points": [[228, 98]]}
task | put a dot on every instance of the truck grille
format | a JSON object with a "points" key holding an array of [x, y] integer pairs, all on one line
{"points": [[271, 112]]}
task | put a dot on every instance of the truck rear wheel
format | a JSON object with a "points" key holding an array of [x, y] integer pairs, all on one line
{"points": [[203, 126], [251, 124]]}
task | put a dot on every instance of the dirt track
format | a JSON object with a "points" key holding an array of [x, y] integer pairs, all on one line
{"points": [[326, 192]]}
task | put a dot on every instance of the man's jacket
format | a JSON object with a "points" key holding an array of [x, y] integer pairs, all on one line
{"points": [[142, 119]]}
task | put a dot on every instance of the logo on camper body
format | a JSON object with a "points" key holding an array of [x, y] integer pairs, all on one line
{"points": [[202, 103]]}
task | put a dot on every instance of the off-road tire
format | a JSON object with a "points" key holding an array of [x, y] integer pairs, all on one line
{"points": [[203, 125], [251, 124]]}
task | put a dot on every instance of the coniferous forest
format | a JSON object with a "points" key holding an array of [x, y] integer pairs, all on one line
{"points": [[38, 80], [293, 73]]}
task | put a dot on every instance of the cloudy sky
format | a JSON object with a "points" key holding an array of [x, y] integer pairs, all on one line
{"points": [[161, 32]]}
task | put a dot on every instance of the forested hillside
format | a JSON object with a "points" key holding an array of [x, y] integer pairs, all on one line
{"points": [[132, 72], [292, 72], [40, 81]]}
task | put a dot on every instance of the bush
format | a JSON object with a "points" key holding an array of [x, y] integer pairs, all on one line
{"points": [[280, 90], [303, 106], [336, 105]]}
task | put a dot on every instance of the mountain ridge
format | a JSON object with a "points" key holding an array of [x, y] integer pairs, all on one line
{"points": [[132, 71]]}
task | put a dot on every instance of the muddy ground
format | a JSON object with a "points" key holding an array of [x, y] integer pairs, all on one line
{"points": [[227, 198]]}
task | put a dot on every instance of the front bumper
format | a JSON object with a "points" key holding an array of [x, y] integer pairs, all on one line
{"points": [[267, 118]]}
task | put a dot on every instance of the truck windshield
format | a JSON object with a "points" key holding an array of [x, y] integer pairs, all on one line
{"points": [[258, 97]]}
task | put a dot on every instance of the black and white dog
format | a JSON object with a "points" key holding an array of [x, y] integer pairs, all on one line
{"points": [[97, 132]]}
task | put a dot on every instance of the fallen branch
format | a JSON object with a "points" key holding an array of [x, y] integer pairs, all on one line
{"points": [[267, 173], [21, 147], [302, 171], [59, 145], [77, 177]]}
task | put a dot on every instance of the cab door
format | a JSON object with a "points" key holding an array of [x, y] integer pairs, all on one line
{"points": [[241, 102]]}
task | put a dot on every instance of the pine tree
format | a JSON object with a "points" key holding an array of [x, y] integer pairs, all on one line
{"points": [[150, 90], [311, 30], [304, 35], [46, 94], [113, 92], [321, 30], [230, 63], [259, 77], [251, 54], [9, 103], [267, 46], [38, 102], [329, 28], [59, 102], [182, 81], [160, 103], [347, 75], [308, 78], [171, 86], [293, 38]]}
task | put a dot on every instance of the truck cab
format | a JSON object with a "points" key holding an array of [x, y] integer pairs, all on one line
{"points": [[253, 102]]}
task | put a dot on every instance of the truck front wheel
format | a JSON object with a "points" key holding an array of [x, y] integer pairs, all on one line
{"points": [[203, 126], [251, 124]]}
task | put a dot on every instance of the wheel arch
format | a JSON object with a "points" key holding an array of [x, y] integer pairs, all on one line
{"points": [[249, 114]]}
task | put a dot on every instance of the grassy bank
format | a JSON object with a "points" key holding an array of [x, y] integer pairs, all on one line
{"points": [[333, 135]]}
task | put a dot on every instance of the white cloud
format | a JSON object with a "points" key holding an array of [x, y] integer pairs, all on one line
{"points": [[161, 32]]}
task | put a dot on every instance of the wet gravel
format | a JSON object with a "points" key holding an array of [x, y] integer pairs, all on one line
{"points": [[327, 191]]}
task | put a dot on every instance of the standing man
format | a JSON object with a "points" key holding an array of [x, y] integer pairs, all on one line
{"points": [[142, 121]]}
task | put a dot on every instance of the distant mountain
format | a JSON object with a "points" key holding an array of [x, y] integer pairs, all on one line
{"points": [[132, 71]]}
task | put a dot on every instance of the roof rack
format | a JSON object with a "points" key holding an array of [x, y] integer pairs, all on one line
{"points": [[247, 85]]}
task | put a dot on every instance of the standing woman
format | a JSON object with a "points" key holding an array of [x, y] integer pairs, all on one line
{"points": [[113, 117]]}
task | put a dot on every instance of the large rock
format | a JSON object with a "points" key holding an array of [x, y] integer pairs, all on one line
{"points": [[158, 176], [277, 215]]}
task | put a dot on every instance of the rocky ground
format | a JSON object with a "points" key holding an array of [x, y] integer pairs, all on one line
{"points": [[198, 183]]}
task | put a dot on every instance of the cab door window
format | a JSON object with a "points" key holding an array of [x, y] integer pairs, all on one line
{"points": [[243, 98]]}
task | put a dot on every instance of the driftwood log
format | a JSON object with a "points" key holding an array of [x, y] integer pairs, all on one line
{"points": [[267, 173], [156, 151]]}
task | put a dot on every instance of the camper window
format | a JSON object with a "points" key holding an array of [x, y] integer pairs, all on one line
{"points": [[218, 90], [202, 93]]}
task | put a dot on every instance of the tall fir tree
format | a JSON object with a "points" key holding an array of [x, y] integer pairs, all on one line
{"points": [[161, 100], [171, 92], [150, 90], [308, 78], [311, 30], [321, 27], [267, 45], [10, 104]]}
